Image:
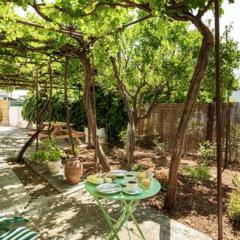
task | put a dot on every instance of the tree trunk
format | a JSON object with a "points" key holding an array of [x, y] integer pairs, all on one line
{"points": [[34, 136], [130, 144], [88, 71], [67, 105], [210, 122], [178, 144], [130, 141], [50, 98]]}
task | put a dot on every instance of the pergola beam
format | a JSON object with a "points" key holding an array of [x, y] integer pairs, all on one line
{"points": [[32, 86]]}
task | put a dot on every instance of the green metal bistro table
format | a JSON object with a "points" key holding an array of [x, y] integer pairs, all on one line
{"points": [[128, 203]]}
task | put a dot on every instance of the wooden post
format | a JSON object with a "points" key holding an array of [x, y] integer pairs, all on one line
{"points": [[227, 135], [95, 125], [37, 106], [50, 97], [67, 105], [218, 119], [210, 121]]}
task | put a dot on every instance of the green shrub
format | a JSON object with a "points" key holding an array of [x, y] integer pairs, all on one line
{"points": [[50, 152], [208, 152], [234, 207], [111, 114], [197, 173], [159, 147], [54, 153], [235, 138], [122, 136], [39, 156], [137, 167]]}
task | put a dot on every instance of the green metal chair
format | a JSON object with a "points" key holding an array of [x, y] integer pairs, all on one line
{"points": [[9, 232]]}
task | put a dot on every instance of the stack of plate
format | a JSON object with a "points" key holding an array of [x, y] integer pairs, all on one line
{"points": [[108, 188], [119, 173]]}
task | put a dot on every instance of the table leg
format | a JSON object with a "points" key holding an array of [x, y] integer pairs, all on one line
{"points": [[138, 228], [135, 222], [127, 213], [129, 237], [124, 217], [74, 134], [54, 132], [107, 217]]}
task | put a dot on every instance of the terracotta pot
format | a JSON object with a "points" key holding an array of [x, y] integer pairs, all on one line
{"points": [[54, 167], [73, 170]]}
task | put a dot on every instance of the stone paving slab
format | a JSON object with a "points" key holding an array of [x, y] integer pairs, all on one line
{"points": [[13, 196], [11, 141]]}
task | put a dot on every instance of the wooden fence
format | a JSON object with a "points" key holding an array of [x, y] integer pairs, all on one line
{"points": [[164, 120]]}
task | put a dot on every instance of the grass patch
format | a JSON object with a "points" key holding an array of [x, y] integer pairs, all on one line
{"points": [[197, 173], [234, 207]]}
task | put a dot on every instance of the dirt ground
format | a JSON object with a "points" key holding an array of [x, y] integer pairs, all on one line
{"points": [[196, 202]]}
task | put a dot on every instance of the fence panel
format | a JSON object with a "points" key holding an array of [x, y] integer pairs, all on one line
{"points": [[164, 120]]}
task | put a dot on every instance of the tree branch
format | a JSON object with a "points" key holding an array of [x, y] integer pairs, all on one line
{"points": [[149, 111], [122, 90], [21, 47], [131, 23], [113, 5], [135, 97], [205, 9], [40, 13], [38, 26], [144, 7]]}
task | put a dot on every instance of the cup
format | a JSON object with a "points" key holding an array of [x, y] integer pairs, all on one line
{"points": [[132, 185], [150, 174], [141, 175], [129, 177], [146, 182]]}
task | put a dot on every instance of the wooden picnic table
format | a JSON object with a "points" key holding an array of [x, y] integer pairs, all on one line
{"points": [[59, 130]]}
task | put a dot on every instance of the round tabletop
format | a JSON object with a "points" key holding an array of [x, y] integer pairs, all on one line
{"points": [[146, 193]]}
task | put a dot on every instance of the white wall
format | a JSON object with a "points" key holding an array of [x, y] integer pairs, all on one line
{"points": [[15, 117]]}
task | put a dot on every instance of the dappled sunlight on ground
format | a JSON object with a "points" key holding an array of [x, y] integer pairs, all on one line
{"points": [[74, 215]]}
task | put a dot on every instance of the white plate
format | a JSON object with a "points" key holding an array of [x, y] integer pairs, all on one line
{"points": [[119, 173], [138, 191], [108, 188]]}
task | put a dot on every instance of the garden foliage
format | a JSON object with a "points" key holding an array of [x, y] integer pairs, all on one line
{"points": [[197, 173], [234, 207], [110, 111]]}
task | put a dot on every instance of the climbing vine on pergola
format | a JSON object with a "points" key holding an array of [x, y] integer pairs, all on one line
{"points": [[65, 28]]}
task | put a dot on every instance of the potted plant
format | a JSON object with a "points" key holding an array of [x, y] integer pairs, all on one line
{"points": [[54, 154], [39, 156], [54, 161]]}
